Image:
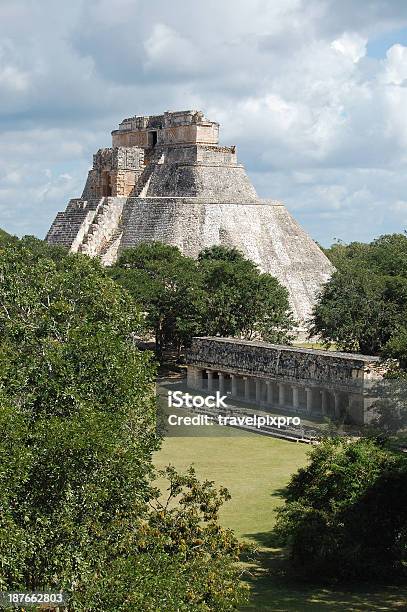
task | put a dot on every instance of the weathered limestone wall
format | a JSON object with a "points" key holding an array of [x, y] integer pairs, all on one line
{"points": [[222, 156], [207, 134], [124, 182], [177, 134], [130, 139], [213, 182], [141, 123], [309, 366], [171, 129], [266, 233], [200, 171], [317, 383], [193, 153], [115, 172]]}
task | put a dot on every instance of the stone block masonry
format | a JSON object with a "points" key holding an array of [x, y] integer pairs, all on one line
{"points": [[263, 230], [166, 178], [115, 172], [309, 382]]}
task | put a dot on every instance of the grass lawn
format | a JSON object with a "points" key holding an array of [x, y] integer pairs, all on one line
{"points": [[251, 466], [254, 468]]}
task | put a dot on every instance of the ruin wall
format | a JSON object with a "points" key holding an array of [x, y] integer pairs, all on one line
{"points": [[341, 370]]}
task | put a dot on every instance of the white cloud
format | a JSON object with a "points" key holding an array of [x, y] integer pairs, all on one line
{"points": [[400, 207], [351, 45], [107, 13], [396, 65], [12, 78], [318, 123], [34, 181], [166, 49], [12, 177]]}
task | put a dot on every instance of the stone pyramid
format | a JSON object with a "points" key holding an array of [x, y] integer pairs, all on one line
{"points": [[166, 178]]}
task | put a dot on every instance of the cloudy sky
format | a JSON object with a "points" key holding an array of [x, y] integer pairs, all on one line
{"points": [[313, 93]]}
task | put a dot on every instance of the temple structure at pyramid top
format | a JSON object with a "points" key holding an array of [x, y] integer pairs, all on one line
{"points": [[183, 127], [166, 178], [175, 155]]}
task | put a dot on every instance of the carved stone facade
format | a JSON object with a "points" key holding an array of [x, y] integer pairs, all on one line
{"points": [[176, 128], [312, 382], [115, 172], [166, 178]]}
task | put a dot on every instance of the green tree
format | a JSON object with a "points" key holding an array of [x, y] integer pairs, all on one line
{"points": [[6, 238], [183, 560], [241, 301], [78, 509], [82, 400], [340, 253], [221, 253], [345, 514], [221, 294], [364, 308], [364, 305], [396, 347], [167, 286], [386, 254], [356, 311]]}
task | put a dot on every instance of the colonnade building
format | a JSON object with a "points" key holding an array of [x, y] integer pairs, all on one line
{"points": [[313, 382]]}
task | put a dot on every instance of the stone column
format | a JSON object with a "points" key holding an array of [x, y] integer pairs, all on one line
{"points": [[246, 388], [337, 399], [258, 390], [354, 410], [234, 385], [308, 391], [296, 399], [324, 402], [281, 394], [191, 377], [269, 386], [194, 378], [210, 380], [221, 383]]}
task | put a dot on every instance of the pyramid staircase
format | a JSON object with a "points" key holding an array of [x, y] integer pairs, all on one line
{"points": [[140, 189], [93, 227], [70, 226]]}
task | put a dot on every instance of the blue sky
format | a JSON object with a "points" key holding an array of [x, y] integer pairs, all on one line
{"points": [[312, 92], [378, 46]]}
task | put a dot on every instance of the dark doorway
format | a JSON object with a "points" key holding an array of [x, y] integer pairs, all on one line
{"points": [[153, 138], [106, 184]]}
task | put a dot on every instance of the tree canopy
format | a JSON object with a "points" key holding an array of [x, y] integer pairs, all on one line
{"points": [[363, 308], [78, 507], [220, 294], [167, 287], [345, 514], [6, 238]]}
